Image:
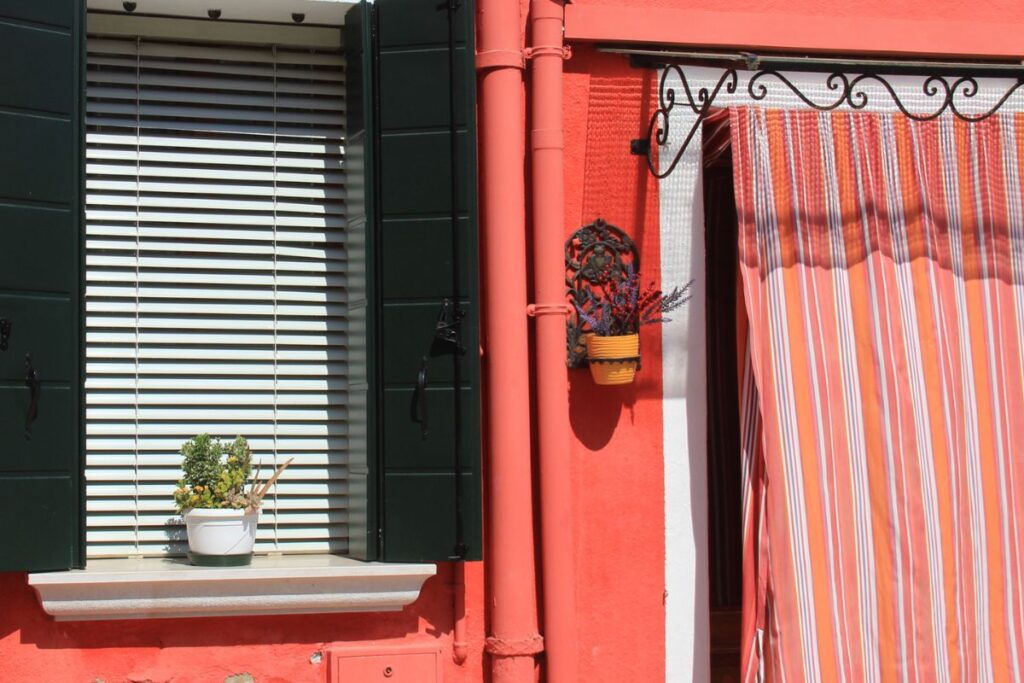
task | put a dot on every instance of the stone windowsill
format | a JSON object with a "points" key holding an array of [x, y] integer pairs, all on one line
{"points": [[158, 587]]}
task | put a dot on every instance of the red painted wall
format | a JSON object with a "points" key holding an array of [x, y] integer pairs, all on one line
{"points": [[36, 649], [975, 10], [921, 27], [617, 450]]}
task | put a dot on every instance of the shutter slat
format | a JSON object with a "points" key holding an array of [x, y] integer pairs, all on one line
{"points": [[304, 461], [204, 383], [250, 71], [226, 279], [234, 127], [110, 79], [245, 144], [114, 520], [213, 369], [212, 340], [241, 206], [263, 161], [313, 177], [209, 264], [163, 491], [317, 296], [215, 296], [152, 473], [202, 104], [150, 110], [184, 54], [222, 324], [148, 444], [110, 504], [259, 190], [218, 233]]}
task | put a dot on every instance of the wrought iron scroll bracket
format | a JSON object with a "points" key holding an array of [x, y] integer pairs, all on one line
{"points": [[949, 94], [594, 254]]}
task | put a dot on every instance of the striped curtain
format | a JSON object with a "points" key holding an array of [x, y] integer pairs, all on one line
{"points": [[883, 272]]}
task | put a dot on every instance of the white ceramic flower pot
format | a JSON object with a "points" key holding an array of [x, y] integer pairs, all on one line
{"points": [[221, 538]]}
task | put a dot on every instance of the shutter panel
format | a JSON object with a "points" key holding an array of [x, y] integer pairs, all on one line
{"points": [[215, 284], [419, 111], [40, 235]]}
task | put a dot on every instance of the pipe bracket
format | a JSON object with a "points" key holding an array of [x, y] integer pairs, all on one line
{"points": [[563, 51], [514, 647], [497, 59], [533, 310], [551, 138]]}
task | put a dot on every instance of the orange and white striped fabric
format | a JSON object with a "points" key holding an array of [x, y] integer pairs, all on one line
{"points": [[883, 271]]}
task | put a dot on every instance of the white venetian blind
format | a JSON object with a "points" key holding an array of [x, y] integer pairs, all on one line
{"points": [[215, 298]]}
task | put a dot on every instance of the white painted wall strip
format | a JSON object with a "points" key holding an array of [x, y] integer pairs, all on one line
{"points": [[687, 645]]}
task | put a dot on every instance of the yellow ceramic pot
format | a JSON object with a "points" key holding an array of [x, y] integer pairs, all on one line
{"points": [[613, 360]]}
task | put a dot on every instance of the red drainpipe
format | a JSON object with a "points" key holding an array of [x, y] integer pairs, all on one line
{"points": [[513, 641], [460, 648], [558, 571]]}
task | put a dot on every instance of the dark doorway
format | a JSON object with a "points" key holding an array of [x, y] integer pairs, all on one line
{"points": [[724, 473]]}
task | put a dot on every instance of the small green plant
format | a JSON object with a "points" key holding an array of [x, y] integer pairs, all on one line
{"points": [[215, 477]]}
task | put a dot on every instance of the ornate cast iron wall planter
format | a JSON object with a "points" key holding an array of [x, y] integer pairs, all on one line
{"points": [[593, 254], [948, 93]]}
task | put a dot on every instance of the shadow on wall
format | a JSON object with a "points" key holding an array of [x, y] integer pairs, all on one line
{"points": [[430, 615], [594, 411]]}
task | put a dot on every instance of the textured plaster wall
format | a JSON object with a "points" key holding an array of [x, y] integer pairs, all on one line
{"points": [[988, 28], [974, 10], [35, 649], [617, 449]]}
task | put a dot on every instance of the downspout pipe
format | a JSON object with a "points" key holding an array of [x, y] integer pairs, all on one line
{"points": [[513, 640], [558, 571], [460, 648]]}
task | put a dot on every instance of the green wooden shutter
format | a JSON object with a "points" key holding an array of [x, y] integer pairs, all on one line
{"points": [[412, 144], [40, 272]]}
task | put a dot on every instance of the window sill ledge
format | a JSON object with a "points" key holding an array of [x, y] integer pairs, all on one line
{"points": [[172, 588]]}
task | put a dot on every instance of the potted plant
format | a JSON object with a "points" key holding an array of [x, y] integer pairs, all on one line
{"points": [[614, 312], [219, 503]]}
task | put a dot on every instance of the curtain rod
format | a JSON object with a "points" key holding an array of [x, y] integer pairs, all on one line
{"points": [[948, 88], [646, 57]]}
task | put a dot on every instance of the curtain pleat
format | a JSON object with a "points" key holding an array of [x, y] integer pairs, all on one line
{"points": [[882, 262]]}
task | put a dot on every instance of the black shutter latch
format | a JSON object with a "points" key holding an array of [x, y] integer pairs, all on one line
{"points": [[448, 329], [5, 333], [447, 333], [419, 401], [34, 387]]}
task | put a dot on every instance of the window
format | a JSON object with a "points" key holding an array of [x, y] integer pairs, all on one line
{"points": [[268, 239], [215, 292]]}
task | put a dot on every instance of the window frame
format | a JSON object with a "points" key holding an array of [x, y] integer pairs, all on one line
{"points": [[446, 30], [178, 31]]}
